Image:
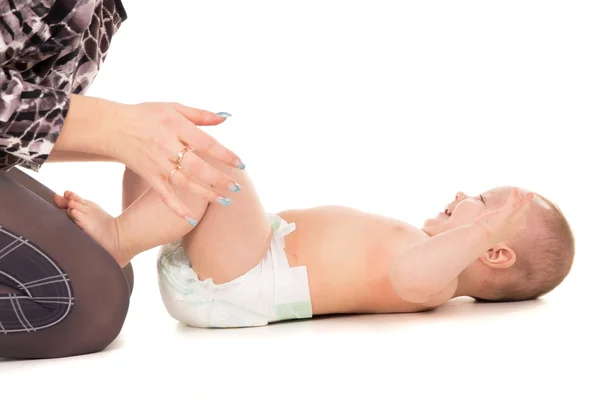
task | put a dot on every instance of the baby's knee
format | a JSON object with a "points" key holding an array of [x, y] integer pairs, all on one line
{"points": [[130, 177]]}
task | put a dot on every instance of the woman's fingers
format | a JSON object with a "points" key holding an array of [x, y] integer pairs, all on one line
{"points": [[196, 176], [207, 145], [197, 168], [167, 195], [182, 180], [200, 117], [200, 170]]}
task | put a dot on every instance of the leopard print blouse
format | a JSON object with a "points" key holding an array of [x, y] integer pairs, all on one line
{"points": [[48, 49]]}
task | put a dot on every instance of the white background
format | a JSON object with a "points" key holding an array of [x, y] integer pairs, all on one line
{"points": [[387, 106]]}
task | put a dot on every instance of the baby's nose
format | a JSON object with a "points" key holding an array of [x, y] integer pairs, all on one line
{"points": [[460, 196]]}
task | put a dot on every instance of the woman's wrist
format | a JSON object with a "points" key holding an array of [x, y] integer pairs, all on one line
{"points": [[92, 126]]}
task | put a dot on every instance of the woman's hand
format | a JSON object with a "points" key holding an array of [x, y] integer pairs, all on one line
{"points": [[158, 141]]}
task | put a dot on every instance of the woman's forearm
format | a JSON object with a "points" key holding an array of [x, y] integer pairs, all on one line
{"points": [[58, 156], [90, 127]]}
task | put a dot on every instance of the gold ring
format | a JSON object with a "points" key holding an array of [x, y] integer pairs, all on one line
{"points": [[175, 170], [182, 153]]}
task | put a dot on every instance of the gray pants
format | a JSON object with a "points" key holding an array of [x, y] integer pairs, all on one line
{"points": [[61, 294]]}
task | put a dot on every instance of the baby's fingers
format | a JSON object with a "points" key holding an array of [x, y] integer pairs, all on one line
{"points": [[514, 199], [524, 206], [527, 200], [512, 202]]}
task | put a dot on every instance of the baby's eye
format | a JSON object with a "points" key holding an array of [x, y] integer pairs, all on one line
{"points": [[481, 197]]}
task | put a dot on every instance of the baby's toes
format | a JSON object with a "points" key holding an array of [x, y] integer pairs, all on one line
{"points": [[70, 195], [61, 202], [78, 198], [78, 216], [76, 205]]}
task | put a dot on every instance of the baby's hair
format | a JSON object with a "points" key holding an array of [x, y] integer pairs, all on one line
{"points": [[545, 254]]}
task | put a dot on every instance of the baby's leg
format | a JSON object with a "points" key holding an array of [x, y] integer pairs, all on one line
{"points": [[228, 242], [134, 187], [145, 224]]}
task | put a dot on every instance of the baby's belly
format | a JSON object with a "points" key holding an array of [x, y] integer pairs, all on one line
{"points": [[347, 254]]}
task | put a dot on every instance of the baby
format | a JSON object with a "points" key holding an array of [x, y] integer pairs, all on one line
{"points": [[240, 266]]}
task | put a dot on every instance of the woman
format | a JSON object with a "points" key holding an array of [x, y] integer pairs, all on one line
{"points": [[60, 293]]}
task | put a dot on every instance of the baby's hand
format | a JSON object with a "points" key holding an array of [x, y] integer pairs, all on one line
{"points": [[507, 221]]}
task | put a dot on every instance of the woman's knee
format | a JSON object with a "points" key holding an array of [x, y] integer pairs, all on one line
{"points": [[100, 327], [98, 288], [90, 327], [100, 310]]}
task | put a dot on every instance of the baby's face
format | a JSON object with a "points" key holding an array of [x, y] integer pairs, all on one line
{"points": [[464, 209]]}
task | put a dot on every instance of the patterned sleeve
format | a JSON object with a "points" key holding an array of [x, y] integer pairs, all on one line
{"points": [[31, 118]]}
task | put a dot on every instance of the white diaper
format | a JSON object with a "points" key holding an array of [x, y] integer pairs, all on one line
{"points": [[271, 291]]}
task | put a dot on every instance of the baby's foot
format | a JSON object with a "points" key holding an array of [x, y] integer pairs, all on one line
{"points": [[97, 223]]}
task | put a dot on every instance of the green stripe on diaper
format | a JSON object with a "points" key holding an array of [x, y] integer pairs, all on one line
{"points": [[275, 222], [298, 310]]}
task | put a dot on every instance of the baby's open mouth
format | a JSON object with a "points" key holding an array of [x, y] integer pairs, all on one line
{"points": [[447, 212]]}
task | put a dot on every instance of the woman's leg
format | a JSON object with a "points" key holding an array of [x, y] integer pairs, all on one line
{"points": [[60, 293], [228, 241], [32, 184], [48, 195]]}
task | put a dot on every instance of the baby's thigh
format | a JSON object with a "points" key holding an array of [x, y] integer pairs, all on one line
{"points": [[230, 240]]}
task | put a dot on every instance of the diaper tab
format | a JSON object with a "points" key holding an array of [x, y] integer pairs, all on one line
{"points": [[280, 227]]}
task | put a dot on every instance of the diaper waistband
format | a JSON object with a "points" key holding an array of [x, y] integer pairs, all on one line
{"points": [[280, 227], [174, 263]]}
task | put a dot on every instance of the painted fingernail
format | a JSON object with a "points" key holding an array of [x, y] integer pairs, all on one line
{"points": [[223, 114], [191, 221], [238, 163], [223, 201], [234, 187]]}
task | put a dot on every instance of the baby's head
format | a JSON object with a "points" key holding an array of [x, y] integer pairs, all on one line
{"points": [[528, 266]]}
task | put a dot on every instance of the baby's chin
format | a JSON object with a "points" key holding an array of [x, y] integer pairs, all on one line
{"points": [[430, 222], [432, 226], [439, 219]]}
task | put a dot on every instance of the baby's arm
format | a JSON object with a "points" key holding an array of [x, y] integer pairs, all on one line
{"points": [[428, 271], [431, 267]]}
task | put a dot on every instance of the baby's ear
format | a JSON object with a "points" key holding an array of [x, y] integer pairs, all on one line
{"points": [[499, 256]]}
